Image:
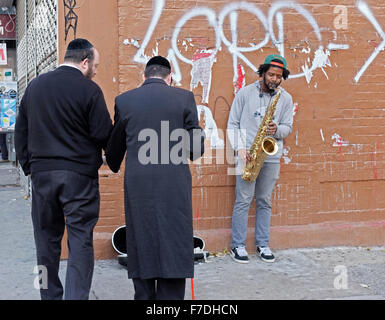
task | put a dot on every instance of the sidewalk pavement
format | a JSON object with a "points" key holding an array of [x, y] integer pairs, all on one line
{"points": [[354, 273]]}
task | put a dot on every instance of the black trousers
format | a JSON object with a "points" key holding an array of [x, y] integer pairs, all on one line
{"points": [[62, 199], [159, 289], [3, 146]]}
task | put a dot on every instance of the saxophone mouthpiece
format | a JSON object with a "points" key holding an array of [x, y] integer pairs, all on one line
{"points": [[273, 92]]}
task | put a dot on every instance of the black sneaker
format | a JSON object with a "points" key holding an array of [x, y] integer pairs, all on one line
{"points": [[239, 254], [265, 254]]}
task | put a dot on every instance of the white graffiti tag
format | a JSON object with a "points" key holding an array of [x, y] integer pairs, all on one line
{"points": [[275, 14], [365, 10]]}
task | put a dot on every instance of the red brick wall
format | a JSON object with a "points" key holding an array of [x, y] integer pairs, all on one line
{"points": [[331, 189]]}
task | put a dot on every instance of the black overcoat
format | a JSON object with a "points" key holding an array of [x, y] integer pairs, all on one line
{"points": [[157, 184]]}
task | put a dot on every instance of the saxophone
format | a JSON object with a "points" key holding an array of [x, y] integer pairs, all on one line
{"points": [[263, 145]]}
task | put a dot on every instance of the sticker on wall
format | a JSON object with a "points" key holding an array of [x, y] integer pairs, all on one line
{"points": [[7, 114], [201, 72], [8, 95]]}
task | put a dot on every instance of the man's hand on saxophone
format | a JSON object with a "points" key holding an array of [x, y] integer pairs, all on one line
{"points": [[271, 128], [244, 155]]}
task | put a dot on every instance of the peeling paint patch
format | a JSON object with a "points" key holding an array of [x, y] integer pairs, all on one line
{"points": [[201, 72], [184, 44], [187, 43]]}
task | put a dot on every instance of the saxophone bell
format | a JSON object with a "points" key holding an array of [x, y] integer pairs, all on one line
{"points": [[270, 146]]}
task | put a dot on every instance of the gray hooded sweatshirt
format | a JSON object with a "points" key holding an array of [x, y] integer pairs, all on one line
{"points": [[247, 112]]}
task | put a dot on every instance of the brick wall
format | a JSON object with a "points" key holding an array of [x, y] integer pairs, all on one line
{"points": [[331, 189]]}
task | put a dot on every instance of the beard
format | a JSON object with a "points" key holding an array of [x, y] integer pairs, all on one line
{"points": [[271, 86], [90, 72]]}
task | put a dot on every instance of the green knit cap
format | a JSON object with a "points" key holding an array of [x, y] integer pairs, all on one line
{"points": [[269, 60]]}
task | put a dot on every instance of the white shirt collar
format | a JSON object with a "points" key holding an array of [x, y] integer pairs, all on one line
{"points": [[69, 65]]}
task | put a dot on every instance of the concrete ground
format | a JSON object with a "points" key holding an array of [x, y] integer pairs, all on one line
{"points": [[354, 273]]}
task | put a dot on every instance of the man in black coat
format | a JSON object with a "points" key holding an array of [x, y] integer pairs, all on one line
{"points": [[62, 126], [158, 127]]}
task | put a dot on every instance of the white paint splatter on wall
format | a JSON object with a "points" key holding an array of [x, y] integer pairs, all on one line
{"points": [[322, 135], [285, 155], [339, 142], [133, 42], [321, 60]]}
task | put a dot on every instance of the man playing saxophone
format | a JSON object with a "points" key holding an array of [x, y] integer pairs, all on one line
{"points": [[246, 116]]}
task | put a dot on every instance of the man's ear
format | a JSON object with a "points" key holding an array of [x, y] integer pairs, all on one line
{"points": [[84, 64], [168, 79]]}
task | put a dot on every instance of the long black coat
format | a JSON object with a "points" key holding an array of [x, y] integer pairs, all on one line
{"points": [[158, 200]]}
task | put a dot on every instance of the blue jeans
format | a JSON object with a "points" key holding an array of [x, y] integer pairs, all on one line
{"points": [[262, 188]]}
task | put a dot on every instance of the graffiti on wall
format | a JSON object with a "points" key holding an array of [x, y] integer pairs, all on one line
{"points": [[272, 25], [70, 17], [215, 21], [274, 17], [365, 10]]}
